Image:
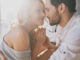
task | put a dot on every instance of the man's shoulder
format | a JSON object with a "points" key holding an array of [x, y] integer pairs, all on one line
{"points": [[74, 32], [76, 22], [77, 16]]}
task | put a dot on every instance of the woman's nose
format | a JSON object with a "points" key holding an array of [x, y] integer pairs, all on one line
{"points": [[46, 13]]}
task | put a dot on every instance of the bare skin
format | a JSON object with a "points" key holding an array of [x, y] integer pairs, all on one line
{"points": [[42, 41], [18, 37], [2, 56], [39, 42], [18, 41], [51, 49], [60, 15], [46, 55]]}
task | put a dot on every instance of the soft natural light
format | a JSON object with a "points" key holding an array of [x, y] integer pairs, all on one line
{"points": [[9, 13], [9, 10]]}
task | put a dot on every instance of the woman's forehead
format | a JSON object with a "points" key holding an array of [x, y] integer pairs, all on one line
{"points": [[39, 5]]}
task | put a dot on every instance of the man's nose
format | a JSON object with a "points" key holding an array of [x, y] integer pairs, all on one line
{"points": [[44, 14], [47, 13]]}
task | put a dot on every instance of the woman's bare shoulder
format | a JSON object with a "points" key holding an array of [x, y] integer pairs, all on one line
{"points": [[18, 37]]}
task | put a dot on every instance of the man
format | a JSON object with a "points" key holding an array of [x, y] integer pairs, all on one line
{"points": [[62, 13]]}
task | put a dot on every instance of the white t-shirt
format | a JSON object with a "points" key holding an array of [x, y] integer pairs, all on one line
{"points": [[70, 40]]}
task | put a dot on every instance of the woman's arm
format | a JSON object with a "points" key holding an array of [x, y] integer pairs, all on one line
{"points": [[46, 55], [39, 38], [2, 56], [36, 49], [51, 48]]}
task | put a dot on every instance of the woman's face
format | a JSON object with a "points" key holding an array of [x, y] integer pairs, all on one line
{"points": [[38, 14]]}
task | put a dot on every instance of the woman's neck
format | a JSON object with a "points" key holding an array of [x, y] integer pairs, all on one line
{"points": [[27, 28]]}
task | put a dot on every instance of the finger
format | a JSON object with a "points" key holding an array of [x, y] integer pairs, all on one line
{"points": [[41, 29]]}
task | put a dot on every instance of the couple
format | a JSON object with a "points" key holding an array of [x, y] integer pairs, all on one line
{"points": [[21, 42]]}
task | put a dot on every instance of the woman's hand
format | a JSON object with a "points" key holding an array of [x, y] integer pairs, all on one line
{"points": [[2, 56], [40, 35], [49, 45]]}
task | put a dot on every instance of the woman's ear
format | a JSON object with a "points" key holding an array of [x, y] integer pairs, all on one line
{"points": [[61, 8]]}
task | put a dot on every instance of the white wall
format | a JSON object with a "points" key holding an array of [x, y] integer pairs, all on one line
{"points": [[9, 10], [78, 6]]}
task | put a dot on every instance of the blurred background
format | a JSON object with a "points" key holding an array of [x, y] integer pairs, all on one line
{"points": [[8, 12]]}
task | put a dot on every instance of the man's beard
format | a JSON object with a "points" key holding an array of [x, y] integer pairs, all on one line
{"points": [[56, 22]]}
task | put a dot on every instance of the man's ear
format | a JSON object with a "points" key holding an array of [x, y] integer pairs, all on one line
{"points": [[61, 8]]}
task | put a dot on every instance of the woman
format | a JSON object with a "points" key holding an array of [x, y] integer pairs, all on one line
{"points": [[16, 43], [2, 56]]}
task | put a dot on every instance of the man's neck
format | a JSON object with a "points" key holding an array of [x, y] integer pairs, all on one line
{"points": [[65, 19]]}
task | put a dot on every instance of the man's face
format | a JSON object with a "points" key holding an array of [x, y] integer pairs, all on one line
{"points": [[52, 13]]}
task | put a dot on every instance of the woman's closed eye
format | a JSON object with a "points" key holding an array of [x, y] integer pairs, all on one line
{"points": [[40, 11], [47, 9]]}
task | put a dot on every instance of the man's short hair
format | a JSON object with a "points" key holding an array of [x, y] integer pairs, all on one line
{"points": [[71, 4]]}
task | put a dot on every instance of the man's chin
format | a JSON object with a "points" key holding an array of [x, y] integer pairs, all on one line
{"points": [[53, 24]]}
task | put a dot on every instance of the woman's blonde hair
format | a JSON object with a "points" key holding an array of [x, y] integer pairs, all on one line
{"points": [[24, 14]]}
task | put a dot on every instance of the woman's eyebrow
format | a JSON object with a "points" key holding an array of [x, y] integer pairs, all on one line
{"points": [[46, 8]]}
